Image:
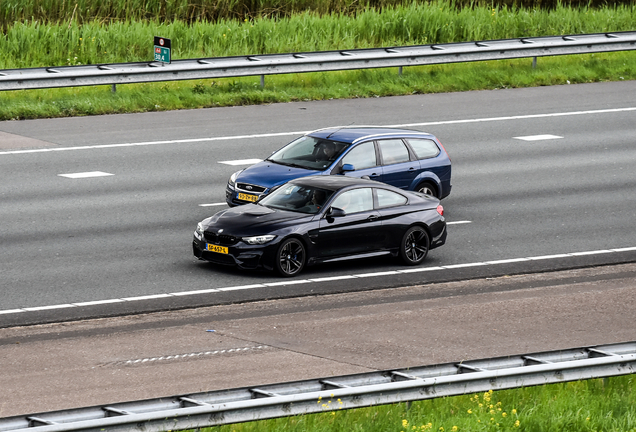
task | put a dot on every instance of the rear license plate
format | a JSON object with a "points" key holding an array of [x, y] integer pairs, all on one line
{"points": [[247, 197], [217, 249]]}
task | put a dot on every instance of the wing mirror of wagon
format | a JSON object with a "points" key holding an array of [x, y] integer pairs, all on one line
{"points": [[348, 168]]}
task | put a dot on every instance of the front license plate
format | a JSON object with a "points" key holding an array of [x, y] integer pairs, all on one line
{"points": [[247, 197], [217, 249]]}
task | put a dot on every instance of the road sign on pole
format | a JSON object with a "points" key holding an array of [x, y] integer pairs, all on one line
{"points": [[162, 49]]}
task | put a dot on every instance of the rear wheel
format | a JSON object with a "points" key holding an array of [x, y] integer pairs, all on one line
{"points": [[414, 246], [290, 258], [427, 188]]}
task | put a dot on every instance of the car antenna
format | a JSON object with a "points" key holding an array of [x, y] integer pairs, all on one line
{"points": [[339, 129]]}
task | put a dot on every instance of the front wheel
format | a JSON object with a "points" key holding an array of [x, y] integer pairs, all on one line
{"points": [[290, 258], [414, 246]]}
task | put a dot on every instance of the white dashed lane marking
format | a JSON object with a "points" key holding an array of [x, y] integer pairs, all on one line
{"points": [[241, 162], [212, 204], [86, 174], [537, 137]]}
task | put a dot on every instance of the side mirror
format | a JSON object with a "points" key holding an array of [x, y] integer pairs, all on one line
{"points": [[348, 168], [334, 212]]}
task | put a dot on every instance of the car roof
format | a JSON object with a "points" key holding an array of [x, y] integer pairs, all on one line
{"points": [[352, 134], [336, 182]]}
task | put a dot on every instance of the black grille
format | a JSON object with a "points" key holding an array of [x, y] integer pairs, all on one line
{"points": [[250, 187], [223, 239]]}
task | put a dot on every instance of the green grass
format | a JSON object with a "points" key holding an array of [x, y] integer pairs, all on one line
{"points": [[106, 11], [584, 406], [32, 43]]}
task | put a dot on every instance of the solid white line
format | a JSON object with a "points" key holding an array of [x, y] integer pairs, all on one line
{"points": [[206, 291], [384, 273], [242, 287], [58, 306], [212, 204], [297, 133], [318, 280], [506, 261], [458, 222], [624, 249], [290, 282], [420, 269], [334, 278], [98, 302], [11, 311], [146, 297], [591, 252], [549, 257], [475, 264]]}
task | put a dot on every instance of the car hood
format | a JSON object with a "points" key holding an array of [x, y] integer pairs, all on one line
{"points": [[252, 218], [270, 174]]}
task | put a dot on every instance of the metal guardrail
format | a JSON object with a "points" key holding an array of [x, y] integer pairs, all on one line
{"points": [[343, 392], [227, 67]]}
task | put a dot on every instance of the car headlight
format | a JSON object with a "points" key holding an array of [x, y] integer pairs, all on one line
{"points": [[198, 233], [259, 240], [232, 181]]}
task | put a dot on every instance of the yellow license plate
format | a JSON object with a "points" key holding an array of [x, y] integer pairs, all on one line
{"points": [[247, 197], [217, 249]]}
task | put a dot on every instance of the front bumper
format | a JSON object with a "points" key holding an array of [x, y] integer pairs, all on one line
{"points": [[240, 255], [235, 197]]}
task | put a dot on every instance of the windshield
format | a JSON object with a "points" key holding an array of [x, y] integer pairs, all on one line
{"points": [[298, 198], [309, 152]]}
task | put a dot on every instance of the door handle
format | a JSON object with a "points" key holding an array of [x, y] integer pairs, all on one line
{"points": [[373, 217]]}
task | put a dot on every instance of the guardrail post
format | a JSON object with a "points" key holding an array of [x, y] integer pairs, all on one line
{"points": [[262, 81], [400, 71], [113, 88], [534, 62]]}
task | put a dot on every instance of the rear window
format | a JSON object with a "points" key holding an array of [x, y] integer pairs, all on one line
{"points": [[387, 198], [424, 148]]}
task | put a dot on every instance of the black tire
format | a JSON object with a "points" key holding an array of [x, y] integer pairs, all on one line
{"points": [[290, 258], [427, 188], [414, 246]]}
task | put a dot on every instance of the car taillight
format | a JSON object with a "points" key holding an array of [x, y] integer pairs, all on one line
{"points": [[440, 143], [440, 210]]}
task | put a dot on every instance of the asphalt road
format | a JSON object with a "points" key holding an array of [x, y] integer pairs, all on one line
{"points": [[87, 247]]}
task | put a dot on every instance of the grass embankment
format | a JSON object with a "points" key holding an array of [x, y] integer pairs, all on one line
{"points": [[584, 406], [74, 39], [32, 43]]}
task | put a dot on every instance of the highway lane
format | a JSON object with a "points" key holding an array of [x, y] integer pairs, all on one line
{"points": [[128, 234]]}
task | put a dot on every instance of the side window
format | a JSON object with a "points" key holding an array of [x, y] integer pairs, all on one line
{"points": [[354, 201], [361, 156], [387, 198], [393, 151], [424, 148]]}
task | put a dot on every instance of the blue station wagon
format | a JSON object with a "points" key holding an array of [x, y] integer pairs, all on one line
{"points": [[403, 158]]}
